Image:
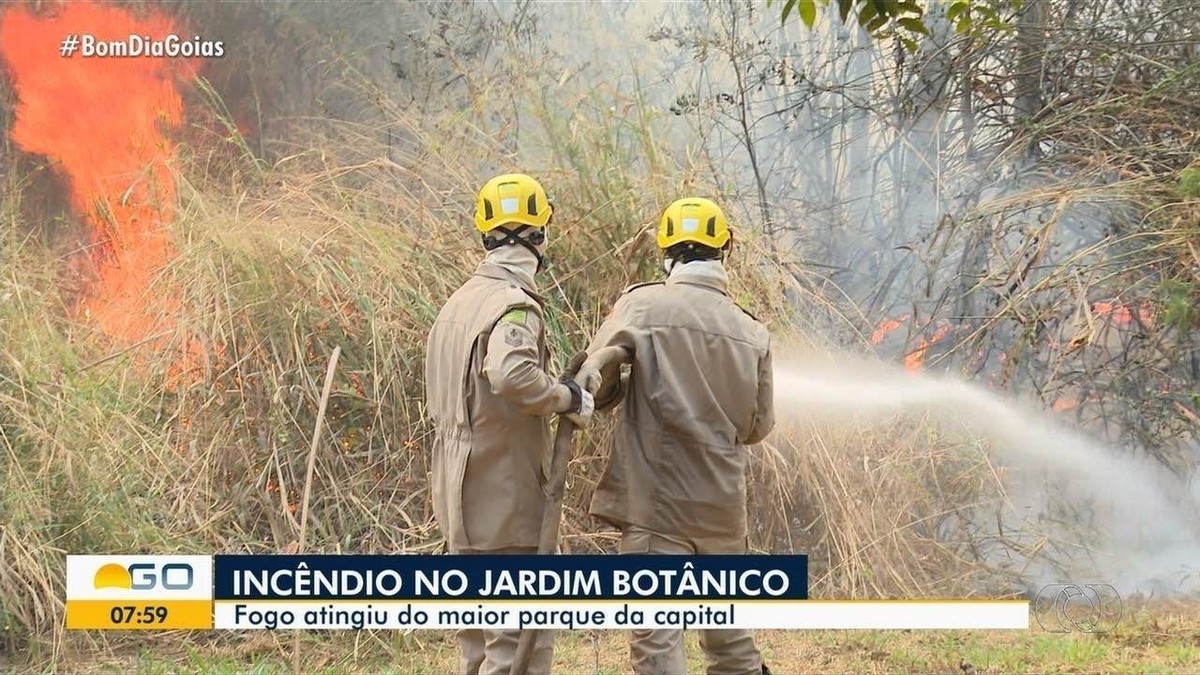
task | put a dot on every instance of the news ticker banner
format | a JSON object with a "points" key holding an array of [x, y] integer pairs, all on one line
{"points": [[442, 592]]}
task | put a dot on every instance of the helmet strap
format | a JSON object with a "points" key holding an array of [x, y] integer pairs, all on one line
{"points": [[690, 251], [514, 237]]}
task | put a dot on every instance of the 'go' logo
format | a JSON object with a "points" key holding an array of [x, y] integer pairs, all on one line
{"points": [[1081, 608], [145, 576]]}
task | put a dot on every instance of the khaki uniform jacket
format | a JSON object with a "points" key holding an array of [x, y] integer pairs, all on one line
{"points": [[489, 397], [700, 389]]}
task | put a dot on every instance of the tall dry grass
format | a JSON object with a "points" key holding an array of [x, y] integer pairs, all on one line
{"points": [[345, 244], [101, 455]]}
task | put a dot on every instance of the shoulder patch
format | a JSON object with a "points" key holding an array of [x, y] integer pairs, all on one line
{"points": [[513, 336], [644, 284], [516, 315]]}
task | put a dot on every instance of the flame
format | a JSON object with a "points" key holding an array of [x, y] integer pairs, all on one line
{"points": [[1065, 404], [886, 327], [1122, 314], [102, 123], [916, 359], [1118, 313]]}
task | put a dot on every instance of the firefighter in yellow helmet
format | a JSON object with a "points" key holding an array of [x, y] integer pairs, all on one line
{"points": [[491, 399], [698, 391]]}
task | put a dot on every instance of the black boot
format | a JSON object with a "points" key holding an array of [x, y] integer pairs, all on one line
{"points": [[765, 670]]}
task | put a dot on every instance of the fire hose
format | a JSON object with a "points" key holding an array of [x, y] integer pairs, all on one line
{"points": [[552, 513]]}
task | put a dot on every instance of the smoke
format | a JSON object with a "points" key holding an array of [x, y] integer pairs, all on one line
{"points": [[879, 167], [1133, 524]]}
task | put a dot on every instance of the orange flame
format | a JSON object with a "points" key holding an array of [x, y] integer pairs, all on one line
{"points": [[1122, 314], [916, 359], [886, 327], [1065, 404], [101, 122]]}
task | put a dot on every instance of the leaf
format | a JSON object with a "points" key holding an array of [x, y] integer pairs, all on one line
{"points": [[964, 24], [910, 44], [957, 8], [910, 7], [787, 9], [808, 12], [914, 25]]}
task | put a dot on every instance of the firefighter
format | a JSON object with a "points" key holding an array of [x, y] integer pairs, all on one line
{"points": [[699, 389], [491, 399]]}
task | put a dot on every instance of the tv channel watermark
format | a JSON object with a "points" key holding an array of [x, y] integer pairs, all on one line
{"points": [[139, 592], [134, 46], [1078, 608]]}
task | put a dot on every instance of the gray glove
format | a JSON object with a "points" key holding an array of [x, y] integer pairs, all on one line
{"points": [[583, 403]]}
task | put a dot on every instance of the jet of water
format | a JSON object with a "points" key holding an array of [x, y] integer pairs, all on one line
{"points": [[1148, 530]]}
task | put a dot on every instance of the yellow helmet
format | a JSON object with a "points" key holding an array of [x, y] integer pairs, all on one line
{"points": [[511, 198], [694, 219]]}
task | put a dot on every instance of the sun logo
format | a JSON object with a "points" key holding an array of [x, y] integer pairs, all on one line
{"points": [[112, 575]]}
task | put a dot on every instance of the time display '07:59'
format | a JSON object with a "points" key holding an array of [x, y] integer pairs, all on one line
{"points": [[144, 614]]}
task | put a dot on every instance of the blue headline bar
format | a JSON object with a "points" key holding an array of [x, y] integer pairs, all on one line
{"points": [[515, 577]]}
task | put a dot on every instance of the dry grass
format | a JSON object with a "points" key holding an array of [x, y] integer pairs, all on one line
{"points": [[102, 456], [107, 449]]}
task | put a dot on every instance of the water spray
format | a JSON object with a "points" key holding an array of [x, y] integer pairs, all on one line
{"points": [[1144, 520]]}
